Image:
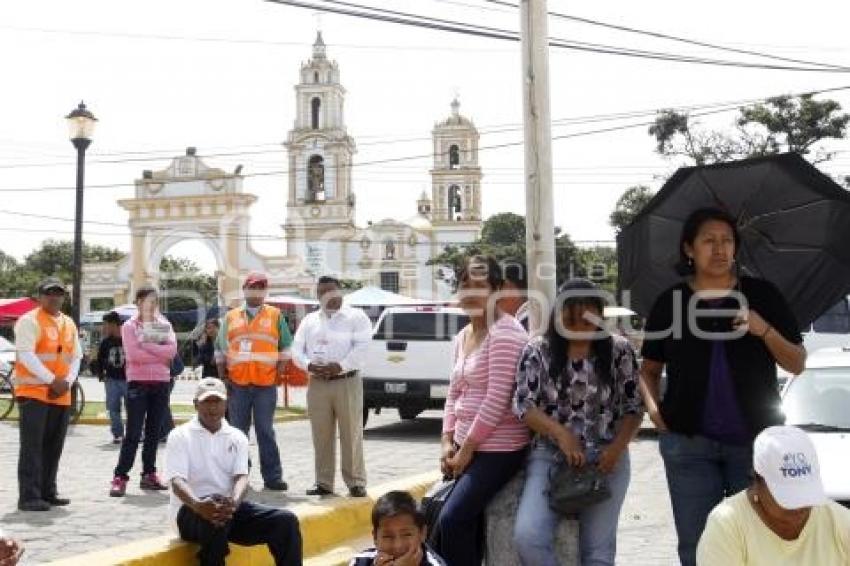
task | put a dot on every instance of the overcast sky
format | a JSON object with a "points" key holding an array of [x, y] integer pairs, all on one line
{"points": [[219, 74]]}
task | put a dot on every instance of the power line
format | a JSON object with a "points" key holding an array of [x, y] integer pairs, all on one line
{"points": [[659, 35], [709, 111], [438, 24], [191, 233]]}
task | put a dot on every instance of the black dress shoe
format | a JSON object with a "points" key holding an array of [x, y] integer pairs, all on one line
{"points": [[278, 485], [319, 490], [58, 501], [34, 505], [357, 491]]}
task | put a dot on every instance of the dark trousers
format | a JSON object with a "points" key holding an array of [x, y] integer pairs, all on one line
{"points": [[167, 418], [252, 524], [42, 436], [146, 406], [462, 518], [247, 403]]}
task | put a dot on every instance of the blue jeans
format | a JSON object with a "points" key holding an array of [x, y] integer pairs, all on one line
{"points": [[700, 473], [461, 520], [534, 530], [146, 406], [116, 394], [257, 403]]}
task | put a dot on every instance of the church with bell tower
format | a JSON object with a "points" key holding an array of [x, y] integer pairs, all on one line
{"points": [[320, 226]]}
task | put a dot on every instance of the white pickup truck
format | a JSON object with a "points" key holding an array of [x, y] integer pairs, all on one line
{"points": [[410, 359]]}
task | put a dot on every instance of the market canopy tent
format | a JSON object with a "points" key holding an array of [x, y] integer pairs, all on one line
{"points": [[12, 309]]}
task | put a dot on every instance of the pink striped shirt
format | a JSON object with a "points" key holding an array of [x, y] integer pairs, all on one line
{"points": [[478, 405]]}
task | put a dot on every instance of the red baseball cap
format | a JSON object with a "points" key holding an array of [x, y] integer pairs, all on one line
{"points": [[256, 279]]}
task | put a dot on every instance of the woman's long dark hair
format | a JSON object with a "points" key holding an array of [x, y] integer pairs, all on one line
{"points": [[602, 348]]}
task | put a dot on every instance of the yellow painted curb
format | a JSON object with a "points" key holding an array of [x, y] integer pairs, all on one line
{"points": [[325, 527]]}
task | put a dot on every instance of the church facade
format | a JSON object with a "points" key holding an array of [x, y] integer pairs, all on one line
{"points": [[190, 200]]}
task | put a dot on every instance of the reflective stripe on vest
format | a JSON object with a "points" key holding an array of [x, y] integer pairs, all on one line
{"points": [[259, 365], [55, 349]]}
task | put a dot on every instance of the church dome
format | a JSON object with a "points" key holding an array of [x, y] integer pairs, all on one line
{"points": [[419, 223]]}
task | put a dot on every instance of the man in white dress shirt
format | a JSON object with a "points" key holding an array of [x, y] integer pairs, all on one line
{"points": [[330, 345]]}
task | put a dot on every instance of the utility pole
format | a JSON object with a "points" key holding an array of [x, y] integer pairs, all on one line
{"points": [[539, 202]]}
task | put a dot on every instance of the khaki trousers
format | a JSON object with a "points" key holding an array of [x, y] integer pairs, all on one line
{"points": [[331, 404]]}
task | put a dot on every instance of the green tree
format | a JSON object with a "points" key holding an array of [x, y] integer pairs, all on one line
{"points": [[783, 123], [503, 237], [629, 206], [185, 287], [56, 257]]}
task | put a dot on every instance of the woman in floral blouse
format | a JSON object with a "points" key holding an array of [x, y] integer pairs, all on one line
{"points": [[577, 389]]}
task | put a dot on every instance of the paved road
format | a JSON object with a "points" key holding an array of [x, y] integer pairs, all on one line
{"points": [[394, 449]]}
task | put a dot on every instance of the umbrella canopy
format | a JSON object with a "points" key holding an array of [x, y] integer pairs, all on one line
{"points": [[375, 297], [794, 223], [12, 309]]}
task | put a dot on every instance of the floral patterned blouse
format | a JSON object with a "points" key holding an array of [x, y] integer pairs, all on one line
{"points": [[576, 398]]}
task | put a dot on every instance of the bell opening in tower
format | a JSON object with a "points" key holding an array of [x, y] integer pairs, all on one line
{"points": [[454, 157], [316, 179]]}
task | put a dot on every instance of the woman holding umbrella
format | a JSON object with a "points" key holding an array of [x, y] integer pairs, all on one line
{"points": [[720, 337]]}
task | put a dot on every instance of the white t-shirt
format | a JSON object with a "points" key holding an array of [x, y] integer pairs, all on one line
{"points": [[208, 462], [736, 536]]}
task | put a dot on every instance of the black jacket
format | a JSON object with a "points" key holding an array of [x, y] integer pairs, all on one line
{"points": [[688, 357]]}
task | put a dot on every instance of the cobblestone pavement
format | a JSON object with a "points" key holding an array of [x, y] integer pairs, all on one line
{"points": [[394, 449]]}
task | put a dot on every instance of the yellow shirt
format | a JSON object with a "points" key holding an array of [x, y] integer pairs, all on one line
{"points": [[735, 535]]}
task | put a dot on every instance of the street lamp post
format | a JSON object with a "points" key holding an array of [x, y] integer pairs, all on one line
{"points": [[81, 124]]}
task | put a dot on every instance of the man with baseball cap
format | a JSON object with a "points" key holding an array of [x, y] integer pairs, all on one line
{"points": [[206, 465], [251, 353], [784, 518], [47, 363]]}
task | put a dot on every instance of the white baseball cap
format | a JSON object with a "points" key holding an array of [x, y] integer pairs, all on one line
{"points": [[210, 387], [786, 458]]}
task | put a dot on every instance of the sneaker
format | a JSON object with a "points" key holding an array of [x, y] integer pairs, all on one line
{"points": [[119, 487], [57, 501], [118, 440], [277, 485], [151, 482]]}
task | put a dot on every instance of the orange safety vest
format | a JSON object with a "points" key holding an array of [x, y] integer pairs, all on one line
{"points": [[55, 348], [252, 352]]}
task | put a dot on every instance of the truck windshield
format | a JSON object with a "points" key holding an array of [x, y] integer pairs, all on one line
{"points": [[420, 326]]}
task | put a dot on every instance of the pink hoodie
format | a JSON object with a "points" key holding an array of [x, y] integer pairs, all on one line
{"points": [[147, 361]]}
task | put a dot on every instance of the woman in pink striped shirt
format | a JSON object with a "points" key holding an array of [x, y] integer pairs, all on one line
{"points": [[484, 443]]}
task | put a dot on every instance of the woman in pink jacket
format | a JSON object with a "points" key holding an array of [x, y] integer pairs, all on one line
{"points": [[149, 347]]}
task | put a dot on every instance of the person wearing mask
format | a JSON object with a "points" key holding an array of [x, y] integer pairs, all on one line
{"points": [[577, 389], [483, 442], [206, 465], [784, 517], [111, 370], [720, 337], [330, 345], [149, 347], [253, 345], [48, 356], [203, 349]]}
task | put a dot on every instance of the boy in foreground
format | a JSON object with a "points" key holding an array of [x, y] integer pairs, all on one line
{"points": [[399, 532]]}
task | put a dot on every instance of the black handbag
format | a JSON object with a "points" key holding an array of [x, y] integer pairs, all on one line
{"points": [[571, 490], [432, 506]]}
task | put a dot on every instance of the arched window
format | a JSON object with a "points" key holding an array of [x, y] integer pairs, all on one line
{"points": [[316, 179], [454, 200], [316, 77], [454, 157], [315, 106]]}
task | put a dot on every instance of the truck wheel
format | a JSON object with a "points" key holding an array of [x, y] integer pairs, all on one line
{"points": [[409, 413]]}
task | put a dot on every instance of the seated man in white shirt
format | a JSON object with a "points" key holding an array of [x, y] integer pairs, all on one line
{"points": [[206, 465]]}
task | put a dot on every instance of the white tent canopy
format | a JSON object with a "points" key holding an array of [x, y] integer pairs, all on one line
{"points": [[377, 297]]}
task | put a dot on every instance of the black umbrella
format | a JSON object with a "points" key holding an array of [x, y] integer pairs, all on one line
{"points": [[794, 223]]}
